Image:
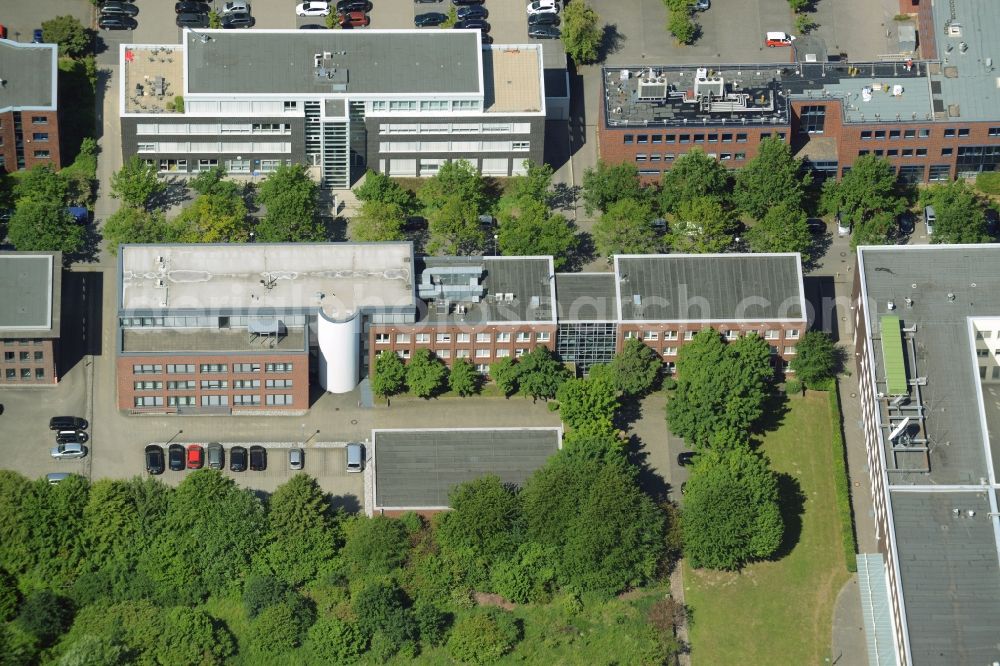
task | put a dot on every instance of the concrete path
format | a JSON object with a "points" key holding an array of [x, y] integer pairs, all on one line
{"points": [[849, 645]]}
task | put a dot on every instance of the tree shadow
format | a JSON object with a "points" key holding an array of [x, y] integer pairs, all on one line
{"points": [[791, 501], [611, 42], [174, 193], [584, 253], [628, 412], [775, 409], [649, 479], [347, 503], [90, 251], [819, 246], [564, 197], [336, 228]]}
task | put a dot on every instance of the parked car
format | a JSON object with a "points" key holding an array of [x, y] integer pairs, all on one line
{"points": [[192, 20], [543, 7], [471, 12], [907, 223], [258, 458], [778, 39], [702, 5], [110, 7], [685, 458], [429, 20], [154, 459], [56, 477], [36, 36], [67, 423], [930, 217], [195, 456], [353, 20], [68, 451], [313, 9], [312, 26], [175, 457], [236, 6], [79, 214], [116, 22], [816, 226], [71, 437], [216, 456], [191, 6], [355, 458], [237, 20], [473, 24], [237, 459], [296, 458], [345, 6], [422, 2], [3, 31], [543, 19], [544, 32], [466, 2]]}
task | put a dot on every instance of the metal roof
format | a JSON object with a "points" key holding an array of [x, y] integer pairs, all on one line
{"points": [[587, 297], [29, 75], [419, 468], [710, 287], [967, 83], [30, 285], [892, 354], [389, 62], [876, 609]]}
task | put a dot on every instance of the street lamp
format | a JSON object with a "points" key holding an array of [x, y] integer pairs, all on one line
{"points": [[495, 238], [179, 432]]}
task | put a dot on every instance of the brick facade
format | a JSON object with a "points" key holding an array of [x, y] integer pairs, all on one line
{"points": [[39, 131], [28, 362]]}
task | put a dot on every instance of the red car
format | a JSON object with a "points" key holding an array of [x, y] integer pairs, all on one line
{"points": [[354, 20], [195, 456]]}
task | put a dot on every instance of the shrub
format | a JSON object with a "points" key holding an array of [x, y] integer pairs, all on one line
{"points": [[261, 592], [432, 623], [529, 576], [842, 483], [45, 615], [333, 641], [275, 630], [793, 387], [988, 182], [682, 27], [9, 596], [483, 636]]}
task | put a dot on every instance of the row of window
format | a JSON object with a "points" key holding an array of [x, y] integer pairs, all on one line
{"points": [[207, 368], [923, 133], [36, 136], [905, 152], [211, 400], [454, 128], [667, 157], [12, 374], [426, 105], [193, 321], [730, 334], [22, 357], [425, 338], [467, 353], [213, 128], [232, 166], [20, 341], [727, 137], [211, 384], [789, 350], [454, 146], [211, 147]]}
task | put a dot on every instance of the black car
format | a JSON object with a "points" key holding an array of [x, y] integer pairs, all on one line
{"points": [[345, 6], [474, 24], [191, 6], [192, 20], [426, 1], [543, 19], [685, 458], [175, 457], [429, 20], [544, 32], [907, 223], [116, 7], [117, 23], [258, 458], [312, 26], [467, 2], [71, 437], [237, 459], [67, 423], [237, 20], [472, 12], [154, 459], [816, 226]]}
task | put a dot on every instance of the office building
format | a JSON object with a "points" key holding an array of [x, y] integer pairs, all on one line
{"points": [[30, 298], [29, 118]]}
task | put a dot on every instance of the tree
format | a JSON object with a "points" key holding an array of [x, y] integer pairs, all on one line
{"points": [[464, 379], [693, 175], [635, 368], [529, 576], [136, 183], [135, 625], [527, 228], [39, 225], [217, 217], [289, 196], [784, 228], [867, 197], [627, 228], [483, 636], [137, 225], [381, 609], [18, 547], [57, 513], [605, 184], [193, 636], [45, 616], [383, 189], [721, 389], [208, 180], [275, 631], [334, 641], [504, 373], [702, 227], [67, 31], [454, 227], [390, 374], [582, 401], [93, 651], [10, 598], [432, 622], [580, 33], [302, 535], [960, 215], [41, 183], [535, 184], [682, 26], [772, 178], [731, 510], [378, 221], [263, 591], [454, 180], [815, 359], [539, 373], [374, 547], [425, 374]]}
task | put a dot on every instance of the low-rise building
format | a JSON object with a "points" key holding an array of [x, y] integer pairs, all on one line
{"points": [[29, 109], [30, 301]]}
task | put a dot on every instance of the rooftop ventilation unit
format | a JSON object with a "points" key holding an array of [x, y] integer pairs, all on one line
{"points": [[454, 283]]}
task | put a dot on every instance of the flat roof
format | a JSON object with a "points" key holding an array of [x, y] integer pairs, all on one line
{"points": [[587, 297], [418, 468], [340, 279], [201, 340], [949, 576], [513, 79], [30, 286], [277, 62], [29, 75], [968, 88], [710, 287]]}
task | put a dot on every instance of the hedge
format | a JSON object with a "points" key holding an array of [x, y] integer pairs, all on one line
{"points": [[842, 483], [988, 182]]}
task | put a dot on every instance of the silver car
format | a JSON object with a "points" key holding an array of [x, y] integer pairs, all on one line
{"points": [[295, 458], [355, 458], [67, 451], [216, 456]]}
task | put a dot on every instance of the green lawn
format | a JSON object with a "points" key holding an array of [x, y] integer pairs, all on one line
{"points": [[779, 612]]}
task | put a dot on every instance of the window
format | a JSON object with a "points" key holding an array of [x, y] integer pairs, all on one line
{"points": [[732, 334], [434, 105], [789, 350], [23, 357], [215, 401], [8, 357], [278, 367], [291, 106], [11, 373], [214, 367], [892, 152], [866, 135], [641, 157], [739, 156], [402, 338], [629, 138], [180, 400], [994, 131], [741, 137], [464, 337], [894, 134], [483, 353], [146, 369], [246, 399], [41, 154], [792, 334], [909, 134], [657, 138], [947, 151], [442, 353], [147, 386], [940, 172], [963, 132], [949, 133], [503, 353], [524, 336], [423, 338], [770, 334], [642, 138], [443, 337], [923, 133], [629, 335], [911, 173], [713, 138], [149, 401], [879, 153], [214, 384], [651, 335], [812, 119], [39, 373], [382, 338], [921, 152], [183, 385], [246, 383], [206, 164], [482, 337], [879, 134], [655, 157], [40, 136], [181, 165], [39, 120], [907, 152], [725, 156], [244, 367], [403, 353], [670, 351], [278, 399], [542, 336], [727, 138], [689, 335], [670, 335], [279, 383], [520, 146], [671, 138], [462, 353], [699, 138], [518, 353], [503, 337]]}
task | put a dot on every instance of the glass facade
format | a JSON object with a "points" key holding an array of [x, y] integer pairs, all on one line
{"points": [[586, 344]]}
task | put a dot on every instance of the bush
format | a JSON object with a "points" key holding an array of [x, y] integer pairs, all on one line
{"points": [[793, 387], [988, 182], [682, 27], [529, 576], [374, 546], [432, 623], [275, 630], [45, 616], [9, 596], [261, 592], [333, 641], [669, 383], [842, 483], [483, 636]]}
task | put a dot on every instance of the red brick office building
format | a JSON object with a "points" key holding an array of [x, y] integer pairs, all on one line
{"points": [[29, 119], [30, 301]]}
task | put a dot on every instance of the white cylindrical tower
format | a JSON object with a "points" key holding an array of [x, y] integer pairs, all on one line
{"points": [[339, 350]]}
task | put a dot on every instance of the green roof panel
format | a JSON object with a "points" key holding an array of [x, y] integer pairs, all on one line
{"points": [[892, 356]]}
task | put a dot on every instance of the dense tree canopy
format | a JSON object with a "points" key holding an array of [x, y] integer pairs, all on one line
{"points": [[583, 401], [528, 228], [44, 225], [390, 374], [217, 217], [693, 175], [784, 228], [484, 636], [136, 183], [425, 374], [383, 189], [138, 225], [772, 178], [73, 39], [289, 196], [458, 179], [960, 215], [455, 228], [463, 378], [635, 368], [581, 34], [504, 373], [378, 221], [539, 373], [605, 184], [702, 226], [627, 228], [867, 197], [374, 547], [816, 358]]}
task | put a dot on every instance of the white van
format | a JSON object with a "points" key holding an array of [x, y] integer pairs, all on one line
{"points": [[929, 219]]}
